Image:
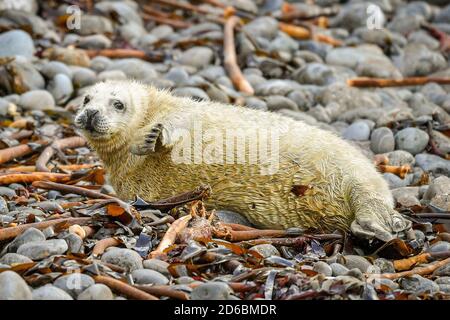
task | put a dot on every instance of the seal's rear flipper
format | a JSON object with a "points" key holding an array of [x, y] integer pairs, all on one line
{"points": [[374, 218]]}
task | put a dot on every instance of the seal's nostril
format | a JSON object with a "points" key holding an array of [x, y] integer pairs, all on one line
{"points": [[90, 113]]}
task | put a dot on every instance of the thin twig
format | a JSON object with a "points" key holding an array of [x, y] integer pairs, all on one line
{"points": [[34, 176], [230, 59], [103, 244], [171, 235], [64, 167], [232, 235], [381, 83], [165, 291], [118, 53], [124, 288], [171, 22], [64, 188], [12, 232], [181, 5], [60, 144], [11, 153], [419, 271], [400, 171], [199, 193]]}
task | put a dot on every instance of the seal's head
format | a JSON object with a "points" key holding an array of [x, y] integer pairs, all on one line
{"points": [[108, 110]]}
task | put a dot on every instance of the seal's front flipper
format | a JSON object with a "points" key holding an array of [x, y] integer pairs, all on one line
{"points": [[153, 138]]}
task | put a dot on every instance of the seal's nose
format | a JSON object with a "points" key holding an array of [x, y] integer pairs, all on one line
{"points": [[90, 113], [90, 117]]}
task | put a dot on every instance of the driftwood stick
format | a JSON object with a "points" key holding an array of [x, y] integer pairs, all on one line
{"points": [[118, 53], [11, 153], [294, 31], [290, 12], [64, 188], [180, 5], [420, 271], [199, 193], [232, 235], [406, 264], [171, 235], [34, 176], [236, 226], [22, 134], [381, 83], [124, 288], [230, 59], [155, 12], [174, 23], [400, 171], [162, 290], [61, 144], [215, 3], [302, 33], [65, 167], [12, 232], [103, 244]]}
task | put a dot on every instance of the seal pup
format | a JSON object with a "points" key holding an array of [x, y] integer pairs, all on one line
{"points": [[156, 145]]}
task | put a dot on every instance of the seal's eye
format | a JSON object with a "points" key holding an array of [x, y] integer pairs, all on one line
{"points": [[86, 100], [118, 105]]}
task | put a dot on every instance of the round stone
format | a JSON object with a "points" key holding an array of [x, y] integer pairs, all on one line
{"points": [[382, 140], [3, 206], [323, 268], [439, 246], [29, 235], [50, 292], [52, 68], [39, 250], [384, 265], [13, 287], [265, 250], [359, 131], [412, 140], [418, 284], [125, 258], [157, 265], [74, 283], [61, 88], [197, 57], [147, 276], [338, 269], [84, 77], [37, 100], [354, 261], [14, 258], [16, 42], [97, 291], [211, 291]]}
